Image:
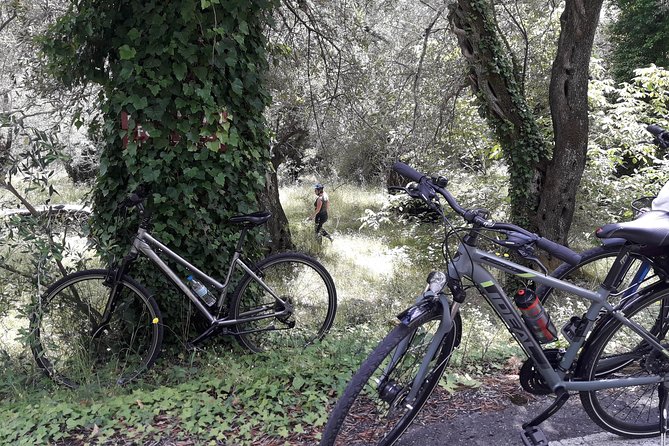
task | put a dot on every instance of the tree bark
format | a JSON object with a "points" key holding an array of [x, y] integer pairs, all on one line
{"points": [[569, 109], [494, 80], [548, 202], [279, 228]]}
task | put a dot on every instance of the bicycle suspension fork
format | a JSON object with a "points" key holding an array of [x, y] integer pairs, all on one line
{"points": [[446, 325]]}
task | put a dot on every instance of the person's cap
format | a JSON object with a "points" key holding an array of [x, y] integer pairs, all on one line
{"points": [[318, 186]]}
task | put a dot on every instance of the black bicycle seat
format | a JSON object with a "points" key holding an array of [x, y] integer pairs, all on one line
{"points": [[651, 228], [254, 219]]}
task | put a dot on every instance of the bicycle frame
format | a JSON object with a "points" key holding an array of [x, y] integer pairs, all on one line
{"points": [[147, 245], [468, 263]]}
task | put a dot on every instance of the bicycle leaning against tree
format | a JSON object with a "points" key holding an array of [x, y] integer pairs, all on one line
{"points": [[102, 327]]}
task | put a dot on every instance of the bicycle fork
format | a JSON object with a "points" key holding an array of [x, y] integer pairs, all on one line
{"points": [[114, 282], [445, 326]]}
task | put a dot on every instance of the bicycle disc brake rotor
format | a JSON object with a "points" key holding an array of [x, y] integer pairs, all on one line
{"points": [[393, 394], [530, 378]]}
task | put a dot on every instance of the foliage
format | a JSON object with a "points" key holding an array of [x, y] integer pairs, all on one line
{"points": [[623, 164], [190, 78], [499, 89], [640, 36], [215, 396], [360, 89]]}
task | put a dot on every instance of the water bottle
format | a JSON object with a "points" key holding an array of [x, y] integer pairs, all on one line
{"points": [[535, 316], [201, 291]]}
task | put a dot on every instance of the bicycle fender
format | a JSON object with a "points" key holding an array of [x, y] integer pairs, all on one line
{"points": [[425, 304]]}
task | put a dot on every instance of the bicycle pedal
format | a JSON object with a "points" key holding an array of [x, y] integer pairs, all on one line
{"points": [[533, 436]]}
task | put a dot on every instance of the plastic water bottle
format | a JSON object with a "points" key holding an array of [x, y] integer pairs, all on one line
{"points": [[535, 316], [201, 291]]}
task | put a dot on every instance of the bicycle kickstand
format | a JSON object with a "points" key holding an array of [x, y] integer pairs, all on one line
{"points": [[663, 391]]}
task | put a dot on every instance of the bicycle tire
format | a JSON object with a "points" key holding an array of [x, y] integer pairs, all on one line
{"points": [[301, 281], [590, 274], [370, 398], [617, 352], [63, 321]]}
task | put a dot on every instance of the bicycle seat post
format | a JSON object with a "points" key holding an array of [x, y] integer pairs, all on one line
{"points": [[240, 242]]}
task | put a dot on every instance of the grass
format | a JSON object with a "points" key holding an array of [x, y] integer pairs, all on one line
{"points": [[379, 266]]}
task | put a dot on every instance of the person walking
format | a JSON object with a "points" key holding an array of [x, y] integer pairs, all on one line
{"points": [[321, 208]]}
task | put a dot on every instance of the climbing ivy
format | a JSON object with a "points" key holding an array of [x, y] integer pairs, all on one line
{"points": [[523, 145], [182, 103]]}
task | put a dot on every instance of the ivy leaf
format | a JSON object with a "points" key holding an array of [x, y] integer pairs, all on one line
{"points": [[237, 86], [179, 70], [126, 52], [220, 179]]}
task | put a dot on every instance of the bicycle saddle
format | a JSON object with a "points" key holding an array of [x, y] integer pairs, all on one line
{"points": [[651, 228], [254, 219]]}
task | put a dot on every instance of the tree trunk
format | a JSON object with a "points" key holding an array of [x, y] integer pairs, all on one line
{"points": [[493, 79], [289, 137], [279, 230], [569, 109]]}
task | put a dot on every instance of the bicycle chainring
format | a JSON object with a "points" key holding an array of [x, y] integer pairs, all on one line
{"points": [[530, 378]]}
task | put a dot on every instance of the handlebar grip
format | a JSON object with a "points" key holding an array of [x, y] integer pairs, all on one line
{"points": [[559, 251], [407, 171], [655, 129]]}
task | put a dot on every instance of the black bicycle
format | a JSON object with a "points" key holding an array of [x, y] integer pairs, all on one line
{"points": [[101, 326]]}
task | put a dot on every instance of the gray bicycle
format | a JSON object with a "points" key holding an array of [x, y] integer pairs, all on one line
{"points": [[617, 357], [102, 327]]}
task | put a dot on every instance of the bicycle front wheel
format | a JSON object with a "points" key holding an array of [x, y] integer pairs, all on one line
{"points": [[73, 345], [308, 313], [617, 352], [373, 410]]}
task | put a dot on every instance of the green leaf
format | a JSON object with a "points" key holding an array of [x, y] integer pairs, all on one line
{"points": [[179, 70], [220, 179], [237, 86], [126, 52]]}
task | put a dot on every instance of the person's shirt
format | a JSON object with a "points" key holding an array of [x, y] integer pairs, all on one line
{"points": [[324, 203]]}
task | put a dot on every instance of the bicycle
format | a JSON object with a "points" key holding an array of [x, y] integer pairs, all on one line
{"points": [[647, 265], [617, 356], [101, 326]]}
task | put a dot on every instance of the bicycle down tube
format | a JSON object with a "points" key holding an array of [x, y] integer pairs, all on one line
{"points": [[145, 243], [467, 263]]}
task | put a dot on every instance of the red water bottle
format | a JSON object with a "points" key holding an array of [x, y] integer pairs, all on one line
{"points": [[535, 316]]}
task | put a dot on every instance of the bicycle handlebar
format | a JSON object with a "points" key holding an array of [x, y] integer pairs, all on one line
{"points": [[473, 216]]}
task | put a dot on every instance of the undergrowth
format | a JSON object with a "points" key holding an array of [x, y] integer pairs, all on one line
{"points": [[222, 395]]}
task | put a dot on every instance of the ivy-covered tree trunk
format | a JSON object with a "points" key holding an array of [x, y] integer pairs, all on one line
{"points": [[569, 109], [492, 76], [542, 191], [182, 110]]}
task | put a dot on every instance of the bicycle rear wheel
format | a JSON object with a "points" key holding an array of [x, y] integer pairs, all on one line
{"points": [[306, 287], [373, 409], [640, 272], [70, 312], [617, 352]]}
